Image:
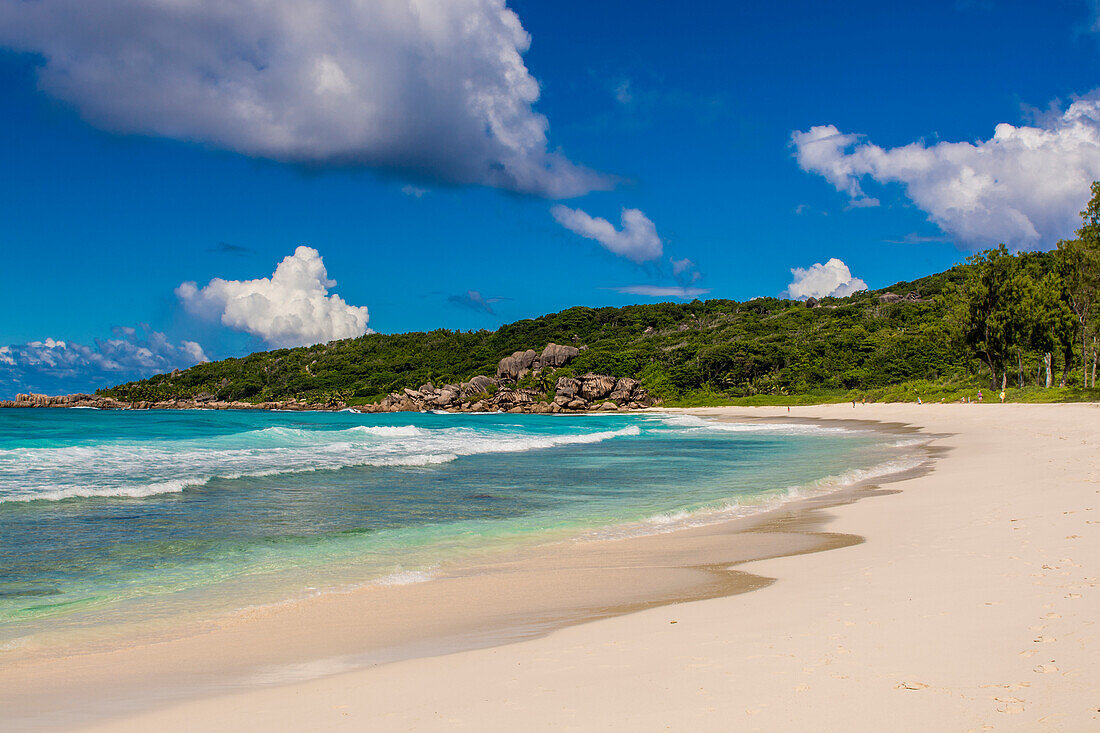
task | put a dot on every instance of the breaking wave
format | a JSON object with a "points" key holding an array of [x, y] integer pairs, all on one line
{"points": [[141, 469]]}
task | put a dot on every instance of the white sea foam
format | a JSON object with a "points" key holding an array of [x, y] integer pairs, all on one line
{"points": [[754, 504], [404, 577], [910, 442], [141, 469], [84, 492], [393, 431], [693, 423]]}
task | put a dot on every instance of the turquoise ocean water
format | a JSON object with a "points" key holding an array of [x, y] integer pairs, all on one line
{"points": [[107, 516]]}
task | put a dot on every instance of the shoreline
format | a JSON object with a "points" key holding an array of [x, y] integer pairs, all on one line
{"points": [[529, 573], [768, 559]]}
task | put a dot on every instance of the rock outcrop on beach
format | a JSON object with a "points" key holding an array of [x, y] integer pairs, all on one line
{"points": [[585, 393]]}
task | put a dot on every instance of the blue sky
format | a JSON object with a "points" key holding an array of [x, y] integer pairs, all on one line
{"points": [[119, 184]]}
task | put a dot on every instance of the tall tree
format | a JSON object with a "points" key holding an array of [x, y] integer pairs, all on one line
{"points": [[1079, 267], [1044, 321], [992, 294]]}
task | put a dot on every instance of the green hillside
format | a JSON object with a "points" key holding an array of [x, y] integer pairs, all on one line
{"points": [[765, 346]]}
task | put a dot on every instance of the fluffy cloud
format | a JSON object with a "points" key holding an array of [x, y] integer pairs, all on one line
{"points": [[1024, 186], [663, 291], [291, 308], [637, 240], [56, 366], [433, 88], [818, 281]]}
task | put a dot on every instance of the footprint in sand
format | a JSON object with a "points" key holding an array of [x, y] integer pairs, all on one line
{"points": [[1028, 653], [1053, 615], [1045, 669], [910, 686], [1044, 639], [1074, 595]]}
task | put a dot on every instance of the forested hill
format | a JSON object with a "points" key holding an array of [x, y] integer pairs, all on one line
{"points": [[763, 346]]}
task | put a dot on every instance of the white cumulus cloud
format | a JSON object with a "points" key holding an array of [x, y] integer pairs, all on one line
{"points": [[293, 307], [437, 89], [1025, 186], [56, 366], [819, 281], [637, 240]]}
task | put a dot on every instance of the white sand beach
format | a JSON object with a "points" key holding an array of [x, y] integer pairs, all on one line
{"points": [[971, 605]]}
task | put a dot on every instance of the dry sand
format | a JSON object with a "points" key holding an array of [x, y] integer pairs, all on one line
{"points": [[972, 604]]}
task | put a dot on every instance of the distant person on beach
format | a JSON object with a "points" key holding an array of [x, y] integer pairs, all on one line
{"points": [[1002, 396], [979, 395], [919, 402]]}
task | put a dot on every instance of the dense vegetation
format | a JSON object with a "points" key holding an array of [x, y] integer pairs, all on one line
{"points": [[1017, 306], [1027, 315]]}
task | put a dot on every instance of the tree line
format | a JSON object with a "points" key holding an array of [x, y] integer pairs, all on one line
{"points": [[1019, 310]]}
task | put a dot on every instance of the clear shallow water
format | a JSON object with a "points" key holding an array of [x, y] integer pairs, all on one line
{"points": [[112, 515]]}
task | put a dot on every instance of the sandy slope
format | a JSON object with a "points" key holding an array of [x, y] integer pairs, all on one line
{"points": [[973, 605]]}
